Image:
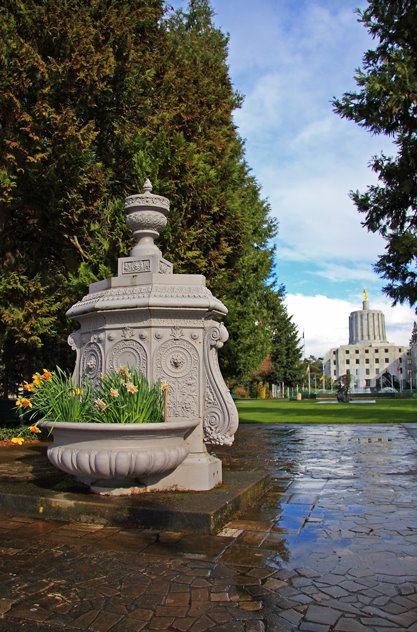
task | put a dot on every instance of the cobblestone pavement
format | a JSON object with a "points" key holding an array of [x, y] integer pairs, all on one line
{"points": [[331, 548]]}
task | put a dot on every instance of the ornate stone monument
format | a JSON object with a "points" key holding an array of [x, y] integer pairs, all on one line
{"points": [[167, 325]]}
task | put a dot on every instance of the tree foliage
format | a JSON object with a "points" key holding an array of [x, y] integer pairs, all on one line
{"points": [[94, 98], [386, 102], [287, 348], [413, 337]]}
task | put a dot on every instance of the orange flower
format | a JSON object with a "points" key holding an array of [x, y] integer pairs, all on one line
{"points": [[24, 402], [114, 392], [122, 370], [18, 440], [35, 429], [28, 387], [131, 388], [101, 404], [47, 375]]}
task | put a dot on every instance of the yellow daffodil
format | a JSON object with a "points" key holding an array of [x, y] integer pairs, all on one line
{"points": [[114, 392], [28, 387], [131, 388], [47, 375], [35, 429], [37, 379], [18, 440], [24, 402]]}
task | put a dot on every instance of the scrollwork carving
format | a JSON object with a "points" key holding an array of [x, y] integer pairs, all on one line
{"points": [[142, 200], [177, 332], [146, 220], [165, 267], [220, 420], [177, 364], [137, 265]]}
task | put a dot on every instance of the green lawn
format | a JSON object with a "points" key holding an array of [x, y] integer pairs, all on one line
{"points": [[278, 411]]}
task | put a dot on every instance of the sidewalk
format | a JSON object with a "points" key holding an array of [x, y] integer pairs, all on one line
{"points": [[332, 547]]}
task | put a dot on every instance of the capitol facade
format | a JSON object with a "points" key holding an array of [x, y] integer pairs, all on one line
{"points": [[369, 360]]}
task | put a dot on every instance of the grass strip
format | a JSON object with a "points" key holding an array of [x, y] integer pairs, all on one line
{"points": [[279, 411]]}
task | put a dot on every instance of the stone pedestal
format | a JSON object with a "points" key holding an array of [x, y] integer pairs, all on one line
{"points": [[167, 325]]}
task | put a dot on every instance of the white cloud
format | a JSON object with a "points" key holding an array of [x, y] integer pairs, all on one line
{"points": [[336, 272], [325, 321], [317, 219], [306, 158]]}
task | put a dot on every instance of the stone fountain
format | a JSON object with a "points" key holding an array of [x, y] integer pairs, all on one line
{"points": [[168, 326]]}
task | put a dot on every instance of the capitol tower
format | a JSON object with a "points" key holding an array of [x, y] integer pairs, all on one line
{"points": [[366, 325], [369, 361]]}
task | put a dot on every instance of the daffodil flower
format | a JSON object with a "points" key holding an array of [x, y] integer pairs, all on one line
{"points": [[35, 429], [28, 387], [114, 392], [37, 379], [24, 402], [18, 440], [102, 405], [131, 388], [47, 375]]}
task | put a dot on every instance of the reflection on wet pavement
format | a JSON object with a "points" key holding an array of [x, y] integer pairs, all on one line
{"points": [[332, 547], [343, 505]]}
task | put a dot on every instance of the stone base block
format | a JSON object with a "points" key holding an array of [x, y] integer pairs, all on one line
{"points": [[199, 472]]}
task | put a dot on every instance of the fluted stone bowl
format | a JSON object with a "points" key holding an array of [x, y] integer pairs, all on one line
{"points": [[118, 459]]}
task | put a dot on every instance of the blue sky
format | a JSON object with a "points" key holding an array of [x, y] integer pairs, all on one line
{"points": [[289, 58]]}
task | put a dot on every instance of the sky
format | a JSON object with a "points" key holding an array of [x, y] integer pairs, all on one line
{"points": [[289, 58]]}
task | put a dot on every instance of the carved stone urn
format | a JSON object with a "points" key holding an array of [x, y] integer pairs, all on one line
{"points": [[168, 326]]}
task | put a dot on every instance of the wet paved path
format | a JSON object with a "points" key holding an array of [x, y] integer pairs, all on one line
{"points": [[331, 548]]}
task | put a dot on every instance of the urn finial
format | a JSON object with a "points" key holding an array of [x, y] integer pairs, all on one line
{"points": [[146, 216], [147, 186]]}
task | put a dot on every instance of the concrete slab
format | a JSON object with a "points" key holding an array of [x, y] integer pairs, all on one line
{"points": [[31, 487]]}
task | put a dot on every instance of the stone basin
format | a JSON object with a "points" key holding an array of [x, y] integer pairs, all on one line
{"points": [[119, 459]]}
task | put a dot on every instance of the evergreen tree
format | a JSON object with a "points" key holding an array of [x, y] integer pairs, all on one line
{"points": [[94, 98], [387, 103], [286, 356], [413, 338], [75, 85]]}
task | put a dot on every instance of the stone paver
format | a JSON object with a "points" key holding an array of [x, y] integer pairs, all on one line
{"points": [[332, 547]]}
